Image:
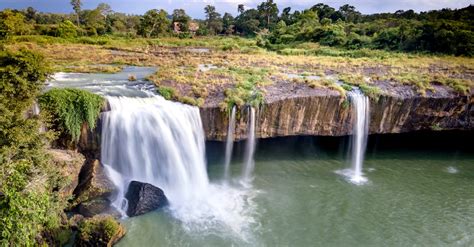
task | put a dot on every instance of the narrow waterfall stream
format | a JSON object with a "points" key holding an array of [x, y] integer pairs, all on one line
{"points": [[249, 161], [162, 143], [360, 104], [229, 145]]}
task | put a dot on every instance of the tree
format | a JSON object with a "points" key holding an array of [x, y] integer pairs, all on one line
{"points": [[349, 13], [105, 10], [268, 10], [12, 23], [94, 21], [286, 16], [154, 23], [326, 11], [248, 22], [67, 30], [182, 19], [76, 6], [240, 8], [228, 24], [213, 19], [30, 13]]}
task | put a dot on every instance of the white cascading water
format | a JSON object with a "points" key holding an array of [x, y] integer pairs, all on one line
{"points": [[161, 142], [229, 144], [360, 104], [143, 140], [249, 162]]}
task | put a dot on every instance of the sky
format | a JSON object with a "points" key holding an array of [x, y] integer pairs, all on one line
{"points": [[195, 7]]}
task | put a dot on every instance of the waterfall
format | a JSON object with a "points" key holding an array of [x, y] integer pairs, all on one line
{"points": [[154, 141], [360, 118], [161, 142], [249, 162], [229, 144]]}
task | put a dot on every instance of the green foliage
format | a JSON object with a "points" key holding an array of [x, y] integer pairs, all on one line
{"points": [[67, 30], [12, 23], [154, 23], [167, 92], [98, 231], [371, 91], [28, 203], [71, 108], [246, 91]]}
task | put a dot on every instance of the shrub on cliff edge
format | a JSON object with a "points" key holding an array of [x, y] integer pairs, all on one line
{"points": [[71, 108]]}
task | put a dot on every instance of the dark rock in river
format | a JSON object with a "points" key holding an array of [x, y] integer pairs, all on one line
{"points": [[143, 198]]}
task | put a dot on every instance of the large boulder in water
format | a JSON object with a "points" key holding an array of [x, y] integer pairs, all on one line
{"points": [[143, 198]]}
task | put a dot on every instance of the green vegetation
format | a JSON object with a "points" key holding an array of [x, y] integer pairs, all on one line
{"points": [[354, 34], [29, 202], [71, 108], [99, 231], [167, 92], [246, 90]]}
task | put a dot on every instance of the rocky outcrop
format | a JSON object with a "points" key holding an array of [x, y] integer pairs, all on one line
{"points": [[69, 164], [325, 113], [94, 189], [143, 198]]}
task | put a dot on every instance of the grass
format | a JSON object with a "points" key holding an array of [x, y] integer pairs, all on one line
{"points": [[245, 70]]}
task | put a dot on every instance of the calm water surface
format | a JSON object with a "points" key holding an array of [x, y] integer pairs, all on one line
{"points": [[414, 198]]}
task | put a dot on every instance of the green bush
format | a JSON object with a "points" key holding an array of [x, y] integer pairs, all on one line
{"points": [[99, 231], [167, 92], [71, 108], [67, 30]]}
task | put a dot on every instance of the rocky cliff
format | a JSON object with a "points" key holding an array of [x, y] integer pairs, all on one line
{"points": [[301, 110], [305, 111]]}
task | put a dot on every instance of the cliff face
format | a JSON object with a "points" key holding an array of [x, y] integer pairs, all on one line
{"points": [[397, 110], [304, 111]]}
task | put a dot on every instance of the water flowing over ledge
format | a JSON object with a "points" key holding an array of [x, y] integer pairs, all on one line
{"points": [[329, 114], [161, 142]]}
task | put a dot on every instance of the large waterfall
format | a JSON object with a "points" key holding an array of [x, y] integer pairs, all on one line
{"points": [[360, 104], [162, 143], [155, 141]]}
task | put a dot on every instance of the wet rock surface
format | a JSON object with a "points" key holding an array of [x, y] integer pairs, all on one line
{"points": [[143, 198]]}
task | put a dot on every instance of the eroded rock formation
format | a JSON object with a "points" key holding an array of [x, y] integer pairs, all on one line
{"points": [[325, 113]]}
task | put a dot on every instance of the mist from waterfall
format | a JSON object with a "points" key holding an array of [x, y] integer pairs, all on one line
{"points": [[161, 142], [229, 145], [249, 161], [360, 118]]}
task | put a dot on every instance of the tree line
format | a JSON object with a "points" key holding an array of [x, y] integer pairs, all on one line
{"points": [[440, 31]]}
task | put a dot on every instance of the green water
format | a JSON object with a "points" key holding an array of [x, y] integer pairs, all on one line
{"points": [[414, 198]]}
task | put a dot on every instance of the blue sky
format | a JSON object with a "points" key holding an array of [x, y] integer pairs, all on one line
{"points": [[195, 7]]}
